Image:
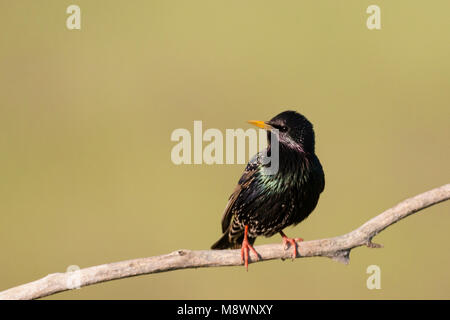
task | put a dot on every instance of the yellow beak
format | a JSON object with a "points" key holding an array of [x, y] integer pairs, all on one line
{"points": [[260, 124]]}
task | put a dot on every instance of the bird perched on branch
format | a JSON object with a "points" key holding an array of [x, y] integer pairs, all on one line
{"points": [[264, 202]]}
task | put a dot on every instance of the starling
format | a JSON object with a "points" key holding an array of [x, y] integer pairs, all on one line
{"points": [[264, 204]]}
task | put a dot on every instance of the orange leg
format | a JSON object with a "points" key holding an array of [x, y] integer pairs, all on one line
{"points": [[292, 242], [244, 249]]}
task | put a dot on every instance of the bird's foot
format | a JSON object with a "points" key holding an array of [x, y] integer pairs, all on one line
{"points": [[244, 252], [291, 242]]}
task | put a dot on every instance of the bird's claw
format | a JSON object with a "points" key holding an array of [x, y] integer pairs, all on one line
{"points": [[244, 253], [291, 242]]}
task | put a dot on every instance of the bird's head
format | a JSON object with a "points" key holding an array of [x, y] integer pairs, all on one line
{"points": [[293, 130]]}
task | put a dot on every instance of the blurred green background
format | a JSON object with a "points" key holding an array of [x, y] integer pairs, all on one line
{"points": [[86, 118]]}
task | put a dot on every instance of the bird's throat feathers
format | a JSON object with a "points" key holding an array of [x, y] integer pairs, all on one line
{"points": [[293, 170]]}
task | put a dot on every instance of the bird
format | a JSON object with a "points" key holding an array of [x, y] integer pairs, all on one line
{"points": [[265, 203]]}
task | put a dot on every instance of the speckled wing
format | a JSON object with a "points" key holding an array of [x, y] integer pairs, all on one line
{"points": [[246, 179]]}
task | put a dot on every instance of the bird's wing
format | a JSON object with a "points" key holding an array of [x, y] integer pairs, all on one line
{"points": [[246, 179]]}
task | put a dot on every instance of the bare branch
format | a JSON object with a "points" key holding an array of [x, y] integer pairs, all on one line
{"points": [[337, 248]]}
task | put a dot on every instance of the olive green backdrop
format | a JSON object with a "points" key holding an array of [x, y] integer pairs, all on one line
{"points": [[86, 116]]}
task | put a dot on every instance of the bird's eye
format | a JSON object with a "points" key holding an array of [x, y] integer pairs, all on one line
{"points": [[280, 127]]}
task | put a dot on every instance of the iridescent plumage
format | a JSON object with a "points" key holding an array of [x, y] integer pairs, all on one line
{"points": [[269, 203]]}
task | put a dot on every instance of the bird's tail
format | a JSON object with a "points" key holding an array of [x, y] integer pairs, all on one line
{"points": [[223, 243], [226, 243]]}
